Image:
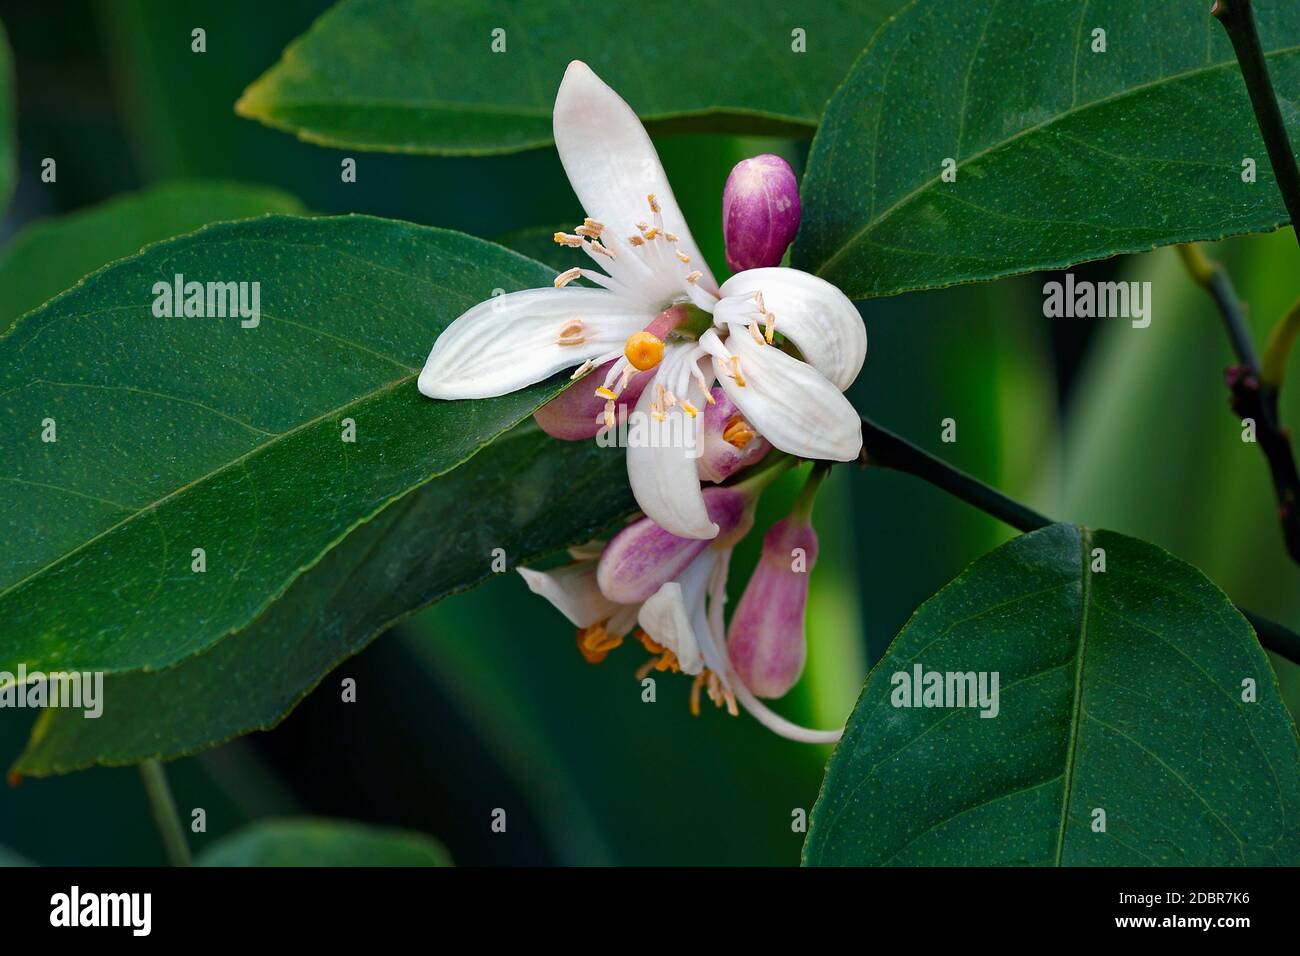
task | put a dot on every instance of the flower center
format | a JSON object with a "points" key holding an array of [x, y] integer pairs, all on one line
{"points": [[643, 350]]}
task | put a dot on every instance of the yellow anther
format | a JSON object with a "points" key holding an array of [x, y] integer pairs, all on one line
{"points": [[771, 328], [593, 225], [651, 233], [738, 432], [671, 237], [643, 350], [692, 277], [683, 256], [564, 239], [735, 371], [564, 278], [571, 333], [595, 643], [606, 394], [753, 330], [654, 206], [690, 409]]}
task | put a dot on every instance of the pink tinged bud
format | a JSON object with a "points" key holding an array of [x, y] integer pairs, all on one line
{"points": [[766, 639], [728, 442], [760, 212], [643, 557], [577, 413]]}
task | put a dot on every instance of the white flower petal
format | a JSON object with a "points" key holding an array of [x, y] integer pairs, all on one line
{"points": [[662, 455], [513, 340], [611, 163], [674, 616], [665, 618], [572, 589], [811, 312], [788, 402]]}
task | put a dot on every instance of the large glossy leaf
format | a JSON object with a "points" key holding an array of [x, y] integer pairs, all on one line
{"points": [[1086, 154], [175, 434], [313, 841], [52, 254], [526, 493], [7, 159], [423, 76], [1120, 691]]}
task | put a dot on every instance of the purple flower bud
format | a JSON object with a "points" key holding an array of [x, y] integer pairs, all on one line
{"points": [[577, 413], [729, 443], [643, 557], [766, 639], [760, 212]]}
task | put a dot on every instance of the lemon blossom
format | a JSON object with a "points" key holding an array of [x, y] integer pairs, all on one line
{"points": [[635, 232], [672, 590]]}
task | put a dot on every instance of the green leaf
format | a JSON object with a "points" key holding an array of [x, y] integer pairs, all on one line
{"points": [[1084, 156], [52, 254], [421, 548], [1119, 691], [422, 76], [8, 169], [313, 841], [176, 434]]}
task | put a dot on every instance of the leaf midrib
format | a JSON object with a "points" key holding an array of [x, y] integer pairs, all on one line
{"points": [[1076, 717], [924, 187]]}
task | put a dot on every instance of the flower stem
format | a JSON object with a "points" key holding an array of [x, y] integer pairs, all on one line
{"points": [[1214, 279], [1254, 397], [803, 505], [1238, 20], [164, 812], [883, 448]]}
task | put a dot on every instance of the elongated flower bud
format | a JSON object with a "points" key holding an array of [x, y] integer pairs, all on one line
{"points": [[643, 557], [729, 442], [766, 639], [760, 212]]}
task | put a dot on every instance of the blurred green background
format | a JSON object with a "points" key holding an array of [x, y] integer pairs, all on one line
{"points": [[483, 702]]}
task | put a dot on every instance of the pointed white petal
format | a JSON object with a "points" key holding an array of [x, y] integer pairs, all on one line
{"points": [[788, 402], [513, 340], [611, 163], [572, 589], [811, 312], [662, 455]]}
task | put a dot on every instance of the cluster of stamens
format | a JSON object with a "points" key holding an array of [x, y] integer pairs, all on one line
{"points": [[717, 691], [596, 642], [643, 275]]}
